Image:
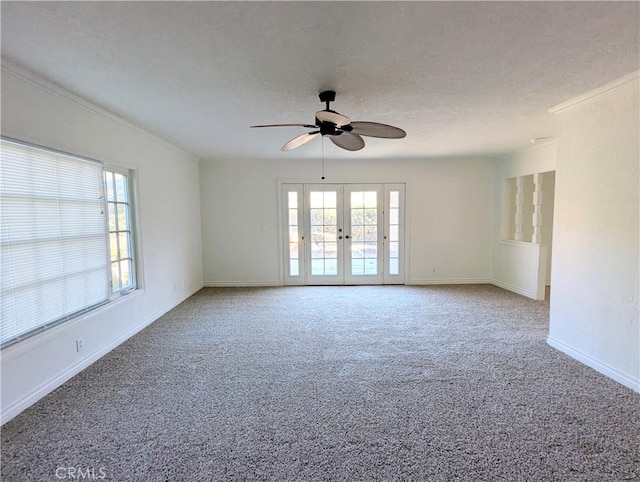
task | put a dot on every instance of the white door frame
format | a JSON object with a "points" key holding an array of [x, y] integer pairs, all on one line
{"points": [[391, 270], [333, 277], [352, 242]]}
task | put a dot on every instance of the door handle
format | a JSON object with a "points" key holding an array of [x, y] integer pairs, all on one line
{"points": [[340, 237], [346, 236]]}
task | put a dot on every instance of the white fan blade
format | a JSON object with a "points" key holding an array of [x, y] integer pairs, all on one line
{"points": [[348, 141], [375, 129], [286, 125], [300, 140], [333, 117]]}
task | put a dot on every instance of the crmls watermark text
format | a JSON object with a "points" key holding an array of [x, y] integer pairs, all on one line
{"points": [[80, 473]]}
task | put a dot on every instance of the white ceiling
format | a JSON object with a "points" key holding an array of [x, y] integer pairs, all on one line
{"points": [[462, 78]]}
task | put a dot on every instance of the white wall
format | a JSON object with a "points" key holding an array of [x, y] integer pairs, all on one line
{"points": [[448, 224], [595, 289], [523, 267], [548, 195], [169, 221]]}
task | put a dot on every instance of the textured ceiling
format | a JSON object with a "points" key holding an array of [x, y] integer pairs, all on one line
{"points": [[462, 78]]}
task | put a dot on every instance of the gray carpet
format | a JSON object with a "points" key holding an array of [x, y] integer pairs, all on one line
{"points": [[335, 383]]}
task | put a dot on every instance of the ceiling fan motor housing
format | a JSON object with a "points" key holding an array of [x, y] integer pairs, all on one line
{"points": [[328, 128]]}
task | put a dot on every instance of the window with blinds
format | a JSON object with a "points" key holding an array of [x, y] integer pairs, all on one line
{"points": [[55, 242]]}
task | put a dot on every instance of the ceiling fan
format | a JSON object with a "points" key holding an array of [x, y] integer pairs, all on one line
{"points": [[340, 129]]}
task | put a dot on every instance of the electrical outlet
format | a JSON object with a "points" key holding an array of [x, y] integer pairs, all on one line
{"points": [[79, 345]]}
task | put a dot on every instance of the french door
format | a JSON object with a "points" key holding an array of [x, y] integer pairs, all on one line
{"points": [[343, 234]]}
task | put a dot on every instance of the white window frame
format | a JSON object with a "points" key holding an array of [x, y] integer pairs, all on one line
{"points": [[300, 240], [39, 324], [130, 218]]}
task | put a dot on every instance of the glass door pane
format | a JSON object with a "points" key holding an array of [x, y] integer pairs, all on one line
{"points": [[325, 246], [363, 233], [293, 235], [394, 233]]}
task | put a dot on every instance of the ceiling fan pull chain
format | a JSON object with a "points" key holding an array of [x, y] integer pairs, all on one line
{"points": [[322, 144]]}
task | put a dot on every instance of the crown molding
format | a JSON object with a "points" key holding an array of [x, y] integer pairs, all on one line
{"points": [[12, 68], [596, 93]]}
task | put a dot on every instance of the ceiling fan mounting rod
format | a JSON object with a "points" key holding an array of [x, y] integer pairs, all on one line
{"points": [[327, 96]]}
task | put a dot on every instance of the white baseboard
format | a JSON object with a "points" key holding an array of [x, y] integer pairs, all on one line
{"points": [[595, 364], [513, 288], [43, 390], [449, 281], [258, 284], [241, 284]]}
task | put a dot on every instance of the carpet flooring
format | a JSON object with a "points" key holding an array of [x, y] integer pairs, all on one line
{"points": [[440, 383]]}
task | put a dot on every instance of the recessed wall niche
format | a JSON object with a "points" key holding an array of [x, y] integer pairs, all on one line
{"points": [[527, 208]]}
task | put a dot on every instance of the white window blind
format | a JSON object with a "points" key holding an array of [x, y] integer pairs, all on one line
{"points": [[54, 238]]}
